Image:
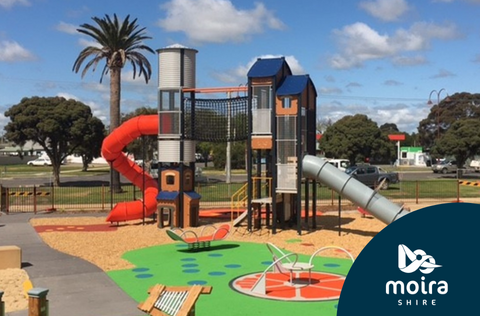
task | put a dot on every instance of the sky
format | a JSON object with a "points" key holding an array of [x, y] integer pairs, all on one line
{"points": [[381, 58]]}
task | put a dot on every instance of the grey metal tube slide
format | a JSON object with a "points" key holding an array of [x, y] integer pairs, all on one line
{"points": [[352, 189]]}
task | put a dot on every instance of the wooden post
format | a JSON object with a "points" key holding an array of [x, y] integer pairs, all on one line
{"points": [[2, 305], [458, 191], [416, 192], [37, 302], [34, 199]]}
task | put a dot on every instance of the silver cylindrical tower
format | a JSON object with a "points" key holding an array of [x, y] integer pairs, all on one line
{"points": [[177, 67]]}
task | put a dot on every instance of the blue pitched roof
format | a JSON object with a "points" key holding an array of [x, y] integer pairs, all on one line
{"points": [[267, 67], [166, 195], [294, 85], [193, 195]]}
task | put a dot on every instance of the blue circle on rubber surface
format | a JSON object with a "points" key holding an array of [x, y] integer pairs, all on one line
{"points": [[215, 255], [189, 265], [197, 282], [216, 273], [331, 265], [191, 270], [144, 276], [233, 266], [188, 259]]}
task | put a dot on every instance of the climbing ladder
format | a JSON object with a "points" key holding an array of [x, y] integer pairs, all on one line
{"points": [[239, 199]]}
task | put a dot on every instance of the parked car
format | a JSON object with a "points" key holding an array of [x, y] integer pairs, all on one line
{"points": [[445, 166], [341, 164], [372, 176], [40, 162]]}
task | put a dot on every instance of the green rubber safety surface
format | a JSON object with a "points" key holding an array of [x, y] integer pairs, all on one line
{"points": [[225, 261]]}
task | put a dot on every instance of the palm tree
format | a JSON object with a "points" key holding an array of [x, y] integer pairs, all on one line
{"points": [[118, 43]]}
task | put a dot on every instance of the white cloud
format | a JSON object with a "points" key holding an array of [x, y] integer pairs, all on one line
{"points": [[330, 91], [100, 112], [66, 28], [359, 43], [409, 60], [217, 21], [443, 73], [238, 75], [386, 10], [85, 43], [10, 3], [11, 51], [405, 117]]}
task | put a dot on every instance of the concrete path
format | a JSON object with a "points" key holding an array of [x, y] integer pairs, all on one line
{"points": [[76, 287]]}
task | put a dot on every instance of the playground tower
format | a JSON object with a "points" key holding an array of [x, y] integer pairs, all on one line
{"points": [[176, 154], [282, 129]]}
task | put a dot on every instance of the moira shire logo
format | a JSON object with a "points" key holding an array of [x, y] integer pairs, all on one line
{"points": [[410, 262]]}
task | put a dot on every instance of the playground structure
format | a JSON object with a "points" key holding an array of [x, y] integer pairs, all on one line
{"points": [[202, 240], [173, 300], [283, 265], [112, 152], [366, 198], [276, 118]]}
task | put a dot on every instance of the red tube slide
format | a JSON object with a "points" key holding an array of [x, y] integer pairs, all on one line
{"points": [[112, 151]]}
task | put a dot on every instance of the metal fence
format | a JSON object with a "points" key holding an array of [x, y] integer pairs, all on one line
{"points": [[216, 195]]}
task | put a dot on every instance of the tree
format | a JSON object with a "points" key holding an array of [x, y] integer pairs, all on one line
{"points": [[323, 124], [355, 138], [58, 125], [462, 140], [119, 43], [456, 107], [149, 143], [237, 155], [91, 145]]}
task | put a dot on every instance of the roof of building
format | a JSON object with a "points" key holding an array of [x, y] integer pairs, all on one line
{"points": [[294, 85], [193, 195], [166, 195], [267, 67]]}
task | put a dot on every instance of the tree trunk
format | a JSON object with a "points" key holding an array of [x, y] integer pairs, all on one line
{"points": [[56, 174], [84, 165], [115, 88]]}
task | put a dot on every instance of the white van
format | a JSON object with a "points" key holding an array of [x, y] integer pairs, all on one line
{"points": [[475, 165], [341, 164]]}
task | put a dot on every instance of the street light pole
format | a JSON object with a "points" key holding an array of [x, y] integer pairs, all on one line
{"points": [[430, 103]]}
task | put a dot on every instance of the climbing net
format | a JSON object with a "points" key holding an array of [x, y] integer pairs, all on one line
{"points": [[216, 120]]}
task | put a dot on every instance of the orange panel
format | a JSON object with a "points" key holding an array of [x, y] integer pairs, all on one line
{"points": [[262, 143], [173, 183], [262, 81], [293, 110]]}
